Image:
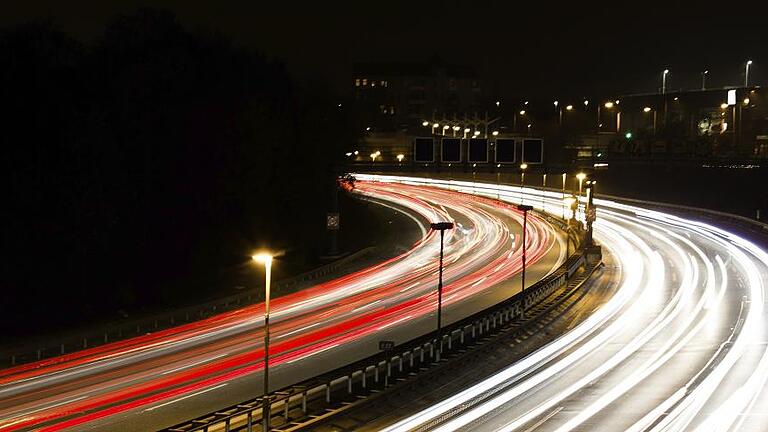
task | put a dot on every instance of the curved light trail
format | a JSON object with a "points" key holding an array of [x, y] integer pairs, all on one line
{"points": [[161, 372], [681, 345]]}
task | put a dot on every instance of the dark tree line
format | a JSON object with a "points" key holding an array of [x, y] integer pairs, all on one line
{"points": [[139, 167]]}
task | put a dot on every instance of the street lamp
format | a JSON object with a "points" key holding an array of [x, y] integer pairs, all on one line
{"points": [[445, 128], [266, 260], [400, 158], [523, 167], [435, 126], [568, 107], [746, 74], [425, 123], [495, 133], [704, 79], [564, 176], [580, 177], [466, 131], [525, 209], [440, 226], [664, 81]]}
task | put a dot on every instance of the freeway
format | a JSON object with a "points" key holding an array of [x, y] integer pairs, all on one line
{"points": [[165, 377], [682, 344]]}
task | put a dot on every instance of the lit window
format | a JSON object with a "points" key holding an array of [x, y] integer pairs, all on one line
{"points": [[357, 82], [365, 82]]}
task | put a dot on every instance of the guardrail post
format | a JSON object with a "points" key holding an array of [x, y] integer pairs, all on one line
{"points": [[13, 360], [62, 348], [249, 421], [401, 362], [376, 373], [365, 370], [461, 336], [450, 339], [328, 393], [85, 342], [39, 353], [304, 399], [106, 337], [287, 407]]}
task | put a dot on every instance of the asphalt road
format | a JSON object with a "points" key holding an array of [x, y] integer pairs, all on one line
{"points": [[681, 345], [163, 378]]}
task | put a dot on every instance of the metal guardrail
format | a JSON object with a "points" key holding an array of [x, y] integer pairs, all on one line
{"points": [[34, 351], [378, 369]]}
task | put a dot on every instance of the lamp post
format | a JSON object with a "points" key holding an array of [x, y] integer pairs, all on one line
{"points": [[435, 126], [543, 187], [664, 81], [440, 226], [266, 260], [580, 177], [746, 73], [704, 79], [525, 209], [564, 175], [571, 202], [523, 167]]}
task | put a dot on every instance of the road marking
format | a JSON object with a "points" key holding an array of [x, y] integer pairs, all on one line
{"points": [[192, 364], [544, 420], [185, 397]]}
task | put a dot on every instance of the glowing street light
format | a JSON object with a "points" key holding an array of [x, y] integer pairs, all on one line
{"points": [[400, 157], [495, 133], [723, 105], [556, 104], [435, 126], [608, 105], [664, 81], [704, 79], [266, 260], [569, 107], [580, 177], [425, 123], [525, 209], [746, 74], [647, 109], [522, 112], [476, 133], [523, 167], [466, 131]]}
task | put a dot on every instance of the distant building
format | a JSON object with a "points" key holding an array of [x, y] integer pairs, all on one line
{"points": [[400, 96]]}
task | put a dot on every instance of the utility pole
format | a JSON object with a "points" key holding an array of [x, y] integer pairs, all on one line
{"points": [[525, 209], [440, 226]]}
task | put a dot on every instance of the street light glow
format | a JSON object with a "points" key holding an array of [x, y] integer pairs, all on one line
{"points": [[723, 105], [495, 133], [581, 176], [749, 62], [263, 258], [746, 101], [400, 157], [569, 107], [522, 112], [445, 127], [466, 130], [425, 123], [456, 128], [557, 103], [666, 71], [586, 102], [523, 166], [647, 109], [477, 133], [608, 105], [436, 125]]}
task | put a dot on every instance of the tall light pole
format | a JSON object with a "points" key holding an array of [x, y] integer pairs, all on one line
{"points": [[746, 73], [266, 260], [580, 177], [564, 175], [664, 81], [523, 167], [543, 187], [525, 209], [704, 79], [440, 226], [435, 126]]}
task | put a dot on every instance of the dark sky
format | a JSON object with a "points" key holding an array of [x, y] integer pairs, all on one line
{"points": [[535, 49]]}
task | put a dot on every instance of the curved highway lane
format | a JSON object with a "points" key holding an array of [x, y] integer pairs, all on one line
{"points": [[162, 378], [682, 345]]}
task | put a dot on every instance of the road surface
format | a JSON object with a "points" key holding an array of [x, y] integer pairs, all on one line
{"points": [[163, 378], [681, 345]]}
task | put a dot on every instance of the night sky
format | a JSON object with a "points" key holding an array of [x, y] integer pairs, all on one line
{"points": [[544, 50]]}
